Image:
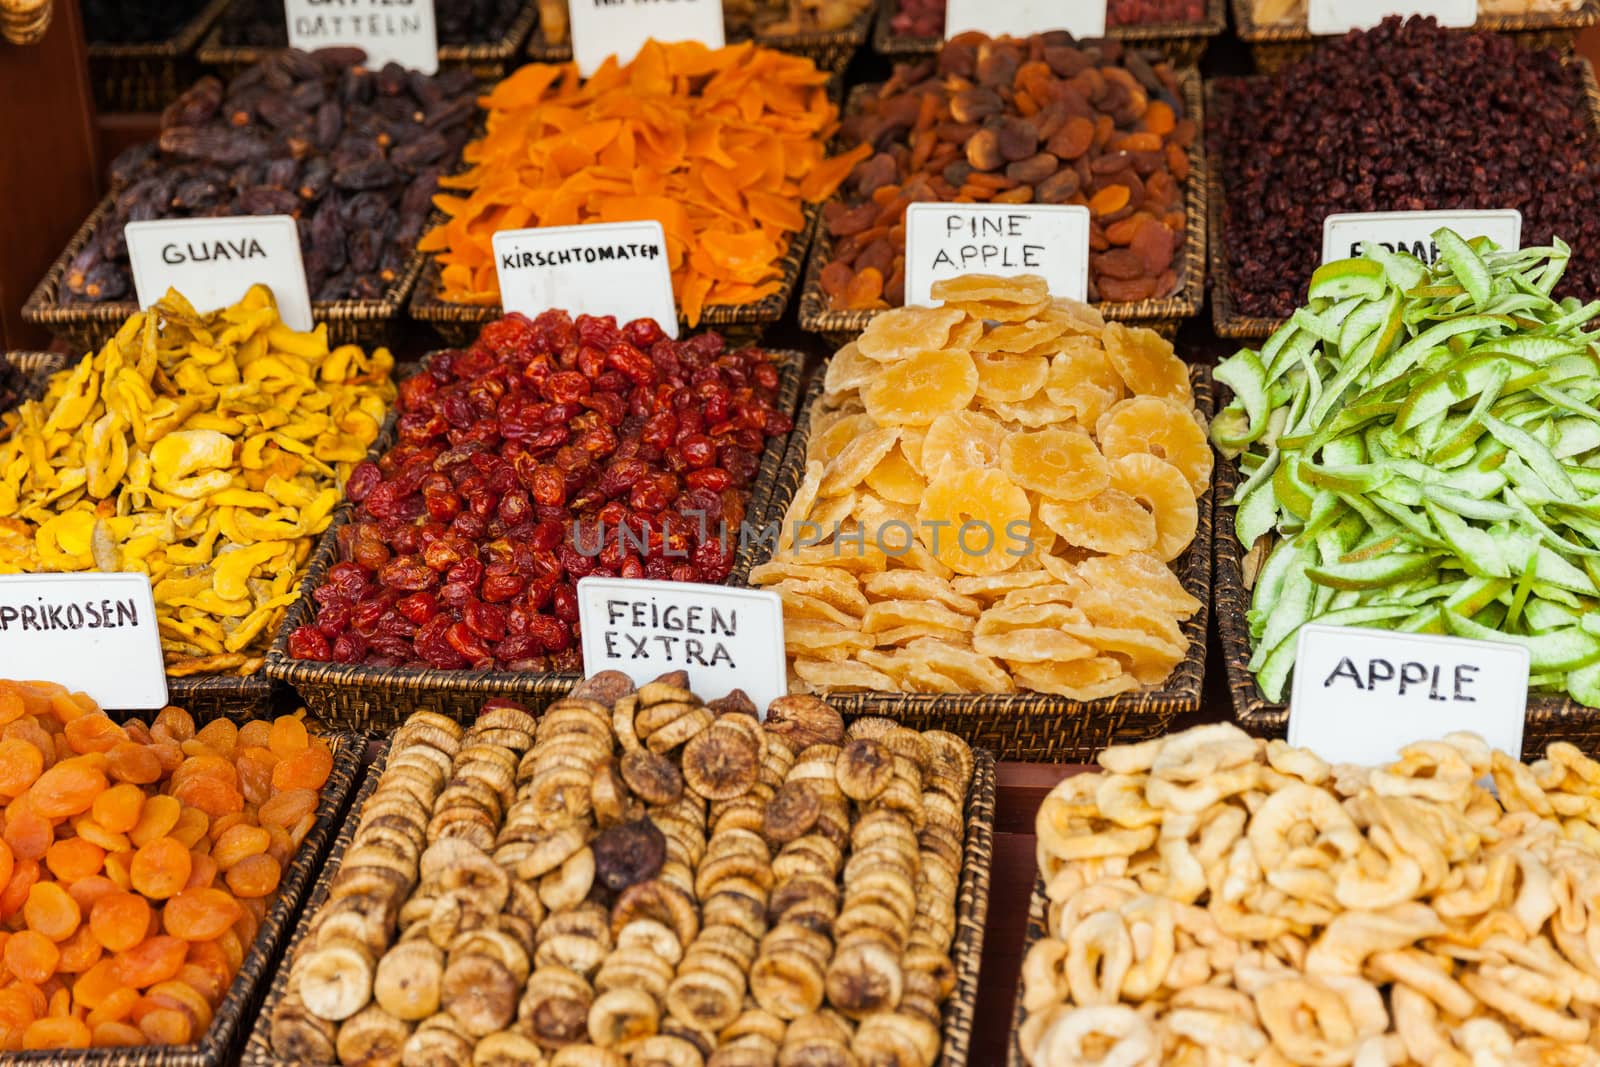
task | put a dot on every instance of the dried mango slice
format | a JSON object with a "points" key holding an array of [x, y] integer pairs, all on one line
{"points": [[963, 440], [1061, 464], [920, 388], [967, 520], [1162, 428]]}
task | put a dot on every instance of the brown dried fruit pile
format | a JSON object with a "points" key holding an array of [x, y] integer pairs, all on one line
{"points": [[1402, 118], [1039, 120], [638, 877]]}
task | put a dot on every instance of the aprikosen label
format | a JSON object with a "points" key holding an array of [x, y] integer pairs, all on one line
{"points": [[605, 268], [1341, 16], [1360, 695], [1020, 18], [400, 31], [93, 633], [723, 638], [948, 240], [214, 262], [1412, 231], [605, 28]]}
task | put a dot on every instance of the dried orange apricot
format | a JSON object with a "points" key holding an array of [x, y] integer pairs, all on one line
{"points": [[254, 765], [31, 956], [51, 911], [155, 959], [24, 873], [117, 1035], [161, 868], [287, 808], [96, 985], [200, 914], [113, 1007], [87, 891], [67, 788], [306, 769], [239, 842], [74, 858], [93, 733], [27, 832], [254, 734], [119, 868], [254, 876], [118, 808], [156, 819], [203, 870], [192, 826], [167, 1026], [172, 724], [288, 736], [130, 762], [65, 1032], [7, 863], [80, 952], [20, 764], [220, 735], [120, 920]]}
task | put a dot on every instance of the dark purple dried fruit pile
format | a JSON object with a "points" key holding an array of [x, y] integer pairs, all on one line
{"points": [[1401, 118], [11, 383], [259, 23], [354, 155]]}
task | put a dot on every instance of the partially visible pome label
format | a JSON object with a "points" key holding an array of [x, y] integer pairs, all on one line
{"points": [[93, 633], [605, 28], [948, 240], [398, 31], [213, 262], [1412, 231], [1341, 16], [1022, 18]]}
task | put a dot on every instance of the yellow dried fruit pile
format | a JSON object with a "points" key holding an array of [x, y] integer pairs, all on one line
{"points": [[207, 451], [993, 492]]}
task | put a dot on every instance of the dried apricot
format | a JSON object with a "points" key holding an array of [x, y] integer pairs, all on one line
{"points": [[74, 858], [87, 891], [51, 911], [200, 914], [118, 808], [288, 736], [203, 870], [31, 956], [93, 733], [160, 868], [65, 1032], [287, 808], [157, 818], [120, 920], [113, 1007], [172, 724], [20, 764], [254, 876], [310, 767], [155, 959], [67, 788], [130, 762], [80, 952], [96, 985], [117, 1035], [192, 826], [167, 1026], [27, 832], [239, 842], [220, 735]]}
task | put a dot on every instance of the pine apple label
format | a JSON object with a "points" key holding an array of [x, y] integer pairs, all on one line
{"points": [[1341, 16], [399, 31], [94, 633], [1360, 695], [948, 240], [1412, 231], [605, 28], [606, 268], [723, 638], [214, 261], [1022, 18]]}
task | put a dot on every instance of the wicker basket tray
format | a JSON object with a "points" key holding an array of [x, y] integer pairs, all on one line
{"points": [[86, 327], [148, 76], [972, 910], [458, 324], [1225, 315], [488, 60], [1033, 726], [1035, 931], [208, 694], [1274, 45], [1549, 718], [1162, 314], [380, 698], [1183, 43], [221, 1042]]}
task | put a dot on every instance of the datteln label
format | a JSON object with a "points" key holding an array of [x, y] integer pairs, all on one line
{"points": [[402, 31], [607, 268], [93, 633], [605, 28], [1360, 695], [214, 262], [1340, 16], [1020, 18], [1412, 231], [724, 638], [947, 240]]}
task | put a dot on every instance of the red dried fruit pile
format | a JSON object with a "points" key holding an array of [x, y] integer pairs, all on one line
{"points": [[1402, 118], [518, 462], [925, 18]]}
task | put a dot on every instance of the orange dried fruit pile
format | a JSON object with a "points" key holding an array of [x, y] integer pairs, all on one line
{"points": [[136, 863], [994, 492], [724, 148]]}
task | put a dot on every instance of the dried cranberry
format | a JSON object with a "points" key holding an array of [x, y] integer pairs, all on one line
{"points": [[363, 479], [307, 642]]}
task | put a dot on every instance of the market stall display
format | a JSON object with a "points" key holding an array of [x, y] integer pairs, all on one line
{"points": [[648, 879], [1486, 101], [1212, 892], [207, 451], [141, 55], [1038, 121], [150, 867]]}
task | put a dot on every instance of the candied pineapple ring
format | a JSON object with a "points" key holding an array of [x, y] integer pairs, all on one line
{"points": [[1162, 428], [893, 333], [856, 460], [1082, 380], [896, 480], [1010, 379], [1146, 362], [920, 388], [965, 440], [1111, 521], [1061, 464], [1163, 488], [966, 520]]}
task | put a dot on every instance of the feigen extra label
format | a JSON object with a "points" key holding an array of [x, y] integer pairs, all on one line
{"points": [[605, 28], [400, 31], [214, 262], [1412, 231], [93, 633], [1021, 18], [605, 268], [1360, 695], [1341, 16], [723, 638], [948, 240]]}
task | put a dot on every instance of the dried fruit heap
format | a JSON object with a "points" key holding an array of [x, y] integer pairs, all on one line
{"points": [[12, 382], [206, 451], [1048, 465], [925, 18], [1217, 898], [518, 461], [354, 155], [1040, 121], [641, 878], [1294, 11], [137, 863], [1402, 118], [723, 148], [260, 22]]}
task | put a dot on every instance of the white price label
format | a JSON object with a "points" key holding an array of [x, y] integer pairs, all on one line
{"points": [[399, 31], [1360, 695], [605, 28], [1412, 231], [93, 633], [605, 268], [214, 262], [1341, 16], [723, 638], [1021, 18], [948, 240]]}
